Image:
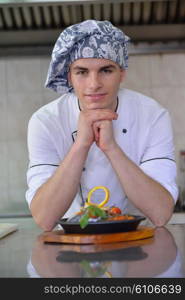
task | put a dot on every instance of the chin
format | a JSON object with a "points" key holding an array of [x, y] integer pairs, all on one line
{"points": [[95, 106]]}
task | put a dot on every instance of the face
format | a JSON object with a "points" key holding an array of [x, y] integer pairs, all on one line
{"points": [[96, 82]]}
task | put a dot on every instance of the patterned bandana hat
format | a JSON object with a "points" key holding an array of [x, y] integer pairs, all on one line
{"points": [[89, 39]]}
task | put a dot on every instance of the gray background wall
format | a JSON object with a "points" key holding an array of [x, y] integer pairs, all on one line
{"points": [[161, 76]]}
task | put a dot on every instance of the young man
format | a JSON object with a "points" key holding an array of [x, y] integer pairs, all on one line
{"points": [[97, 134]]}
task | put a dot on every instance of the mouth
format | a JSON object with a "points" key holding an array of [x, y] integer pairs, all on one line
{"points": [[96, 96]]}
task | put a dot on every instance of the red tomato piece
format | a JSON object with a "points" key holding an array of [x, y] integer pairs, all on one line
{"points": [[115, 211]]}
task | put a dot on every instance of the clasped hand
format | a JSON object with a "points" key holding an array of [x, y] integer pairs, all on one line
{"points": [[96, 126]]}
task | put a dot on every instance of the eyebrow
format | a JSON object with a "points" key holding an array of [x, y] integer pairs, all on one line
{"points": [[102, 68]]}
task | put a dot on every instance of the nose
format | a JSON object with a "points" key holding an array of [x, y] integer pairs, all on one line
{"points": [[94, 82]]}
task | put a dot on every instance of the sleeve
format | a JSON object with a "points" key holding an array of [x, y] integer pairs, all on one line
{"points": [[158, 160], [43, 156]]}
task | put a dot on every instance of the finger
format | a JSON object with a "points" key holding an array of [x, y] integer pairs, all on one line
{"points": [[99, 115], [106, 115], [96, 130]]}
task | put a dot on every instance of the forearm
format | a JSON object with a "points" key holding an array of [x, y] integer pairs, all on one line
{"points": [[145, 193], [54, 197]]}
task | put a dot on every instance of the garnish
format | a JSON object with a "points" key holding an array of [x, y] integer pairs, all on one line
{"points": [[94, 212], [91, 211], [114, 211], [106, 199]]}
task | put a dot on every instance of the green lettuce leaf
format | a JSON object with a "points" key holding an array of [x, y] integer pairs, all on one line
{"points": [[91, 211]]}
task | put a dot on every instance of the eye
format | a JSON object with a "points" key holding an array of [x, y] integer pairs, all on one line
{"points": [[81, 72], [107, 71]]}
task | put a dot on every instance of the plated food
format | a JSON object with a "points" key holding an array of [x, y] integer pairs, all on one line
{"points": [[98, 218]]}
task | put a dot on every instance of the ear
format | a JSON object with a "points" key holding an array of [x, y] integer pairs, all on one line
{"points": [[122, 75], [69, 78]]}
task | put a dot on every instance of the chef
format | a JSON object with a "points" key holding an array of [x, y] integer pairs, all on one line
{"points": [[98, 134]]}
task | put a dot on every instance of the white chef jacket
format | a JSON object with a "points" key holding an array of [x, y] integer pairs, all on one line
{"points": [[143, 131]]}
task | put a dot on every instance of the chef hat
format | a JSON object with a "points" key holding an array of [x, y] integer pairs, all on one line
{"points": [[88, 39]]}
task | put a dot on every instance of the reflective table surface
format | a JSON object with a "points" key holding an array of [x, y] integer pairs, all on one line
{"points": [[23, 254]]}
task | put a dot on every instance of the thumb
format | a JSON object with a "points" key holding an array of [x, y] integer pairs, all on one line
{"points": [[96, 129]]}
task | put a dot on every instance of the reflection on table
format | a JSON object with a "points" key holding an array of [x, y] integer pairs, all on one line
{"points": [[153, 257]]}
